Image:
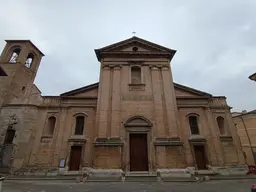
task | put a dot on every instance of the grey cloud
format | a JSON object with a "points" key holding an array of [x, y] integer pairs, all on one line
{"points": [[215, 40]]}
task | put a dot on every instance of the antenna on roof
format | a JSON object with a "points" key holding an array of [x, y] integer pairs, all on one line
{"points": [[133, 33]]}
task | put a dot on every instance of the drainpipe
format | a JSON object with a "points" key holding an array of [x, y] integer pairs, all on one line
{"points": [[250, 143]]}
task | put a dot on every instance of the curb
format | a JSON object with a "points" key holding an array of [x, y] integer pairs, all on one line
{"points": [[232, 178], [120, 180]]}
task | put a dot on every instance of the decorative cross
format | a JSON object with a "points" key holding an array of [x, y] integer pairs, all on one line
{"points": [[133, 33]]}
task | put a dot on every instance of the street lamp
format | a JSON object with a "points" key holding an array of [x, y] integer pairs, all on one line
{"points": [[253, 77]]}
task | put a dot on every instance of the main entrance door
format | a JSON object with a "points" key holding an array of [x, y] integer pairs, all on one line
{"points": [[75, 158], [138, 152], [200, 157]]}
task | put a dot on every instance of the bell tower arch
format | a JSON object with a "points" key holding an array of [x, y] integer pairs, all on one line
{"points": [[21, 52]]}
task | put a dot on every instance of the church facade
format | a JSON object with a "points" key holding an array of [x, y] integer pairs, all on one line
{"points": [[134, 119]]}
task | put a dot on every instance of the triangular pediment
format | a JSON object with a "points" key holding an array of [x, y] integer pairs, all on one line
{"points": [[86, 91], [184, 91], [135, 46], [92, 91]]}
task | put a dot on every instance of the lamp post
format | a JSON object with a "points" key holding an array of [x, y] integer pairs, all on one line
{"points": [[253, 77]]}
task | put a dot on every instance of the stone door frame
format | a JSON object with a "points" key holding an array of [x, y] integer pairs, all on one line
{"points": [[137, 125], [75, 143], [206, 153]]}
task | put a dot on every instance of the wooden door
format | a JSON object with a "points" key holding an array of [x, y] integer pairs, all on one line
{"points": [[138, 152], [75, 158], [200, 157]]}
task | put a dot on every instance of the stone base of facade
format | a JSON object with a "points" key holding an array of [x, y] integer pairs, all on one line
{"points": [[238, 170], [119, 174], [191, 172], [173, 173]]}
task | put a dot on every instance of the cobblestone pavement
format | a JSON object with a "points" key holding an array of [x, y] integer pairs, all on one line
{"points": [[66, 186]]}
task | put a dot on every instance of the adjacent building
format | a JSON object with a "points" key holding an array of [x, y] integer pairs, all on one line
{"points": [[134, 119], [246, 128]]}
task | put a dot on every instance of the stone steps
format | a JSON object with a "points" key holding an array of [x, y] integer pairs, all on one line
{"points": [[140, 176]]}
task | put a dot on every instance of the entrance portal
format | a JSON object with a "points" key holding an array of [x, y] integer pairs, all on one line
{"points": [[75, 158], [200, 157], [138, 152]]}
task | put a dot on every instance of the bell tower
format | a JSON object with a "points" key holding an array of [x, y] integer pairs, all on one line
{"points": [[19, 63]]}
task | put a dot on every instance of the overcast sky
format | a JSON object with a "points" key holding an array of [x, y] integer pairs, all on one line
{"points": [[215, 40]]}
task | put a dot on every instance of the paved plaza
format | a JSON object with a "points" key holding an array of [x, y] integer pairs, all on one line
{"points": [[71, 186]]}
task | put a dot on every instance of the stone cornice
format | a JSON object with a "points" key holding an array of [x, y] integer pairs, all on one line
{"points": [[141, 63], [192, 106], [192, 97], [108, 142], [138, 62], [203, 106], [19, 105], [51, 106], [79, 98], [111, 66], [220, 107], [197, 139], [226, 138], [130, 54], [168, 142]]}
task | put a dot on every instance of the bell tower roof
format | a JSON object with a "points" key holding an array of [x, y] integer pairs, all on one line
{"points": [[25, 41]]}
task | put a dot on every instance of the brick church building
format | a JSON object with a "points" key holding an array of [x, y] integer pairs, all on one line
{"points": [[134, 119]]}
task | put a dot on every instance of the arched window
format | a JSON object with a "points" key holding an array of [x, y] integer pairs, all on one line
{"points": [[221, 124], [15, 55], [135, 75], [193, 123], [79, 129], [49, 129], [29, 60]]}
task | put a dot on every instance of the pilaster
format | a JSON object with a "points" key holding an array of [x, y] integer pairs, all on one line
{"points": [[217, 158], [170, 102], [158, 102], [116, 99], [104, 102]]}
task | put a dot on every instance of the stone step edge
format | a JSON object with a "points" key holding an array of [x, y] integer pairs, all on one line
{"points": [[148, 176], [134, 179]]}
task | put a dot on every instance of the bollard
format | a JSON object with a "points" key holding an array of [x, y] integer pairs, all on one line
{"points": [[1, 182]]}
